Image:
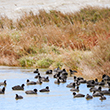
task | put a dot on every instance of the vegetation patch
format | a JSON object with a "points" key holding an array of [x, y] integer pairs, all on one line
{"points": [[52, 39]]}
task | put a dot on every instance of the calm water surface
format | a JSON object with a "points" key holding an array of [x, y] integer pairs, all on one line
{"points": [[59, 98]]}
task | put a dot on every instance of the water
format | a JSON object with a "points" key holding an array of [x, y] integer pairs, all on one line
{"points": [[59, 98], [15, 8]]}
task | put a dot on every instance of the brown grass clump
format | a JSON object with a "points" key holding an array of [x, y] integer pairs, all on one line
{"points": [[99, 60]]}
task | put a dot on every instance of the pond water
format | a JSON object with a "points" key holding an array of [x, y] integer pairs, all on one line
{"points": [[59, 98]]}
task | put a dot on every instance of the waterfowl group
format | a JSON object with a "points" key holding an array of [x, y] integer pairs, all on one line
{"points": [[95, 87]]}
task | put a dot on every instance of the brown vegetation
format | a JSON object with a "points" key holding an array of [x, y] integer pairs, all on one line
{"points": [[51, 39]]}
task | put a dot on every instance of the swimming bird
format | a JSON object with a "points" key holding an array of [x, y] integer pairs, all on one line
{"points": [[78, 95], [18, 87], [49, 72], [39, 81], [56, 69], [18, 97], [64, 72], [45, 89], [62, 80], [91, 84], [96, 82], [75, 89], [82, 81], [71, 85], [108, 84], [45, 79], [2, 91], [31, 91], [97, 94], [56, 75], [30, 82], [3, 83], [72, 71], [75, 78], [102, 83], [106, 77], [102, 97], [38, 74], [95, 89], [106, 92], [57, 81], [36, 71], [88, 97], [90, 81]]}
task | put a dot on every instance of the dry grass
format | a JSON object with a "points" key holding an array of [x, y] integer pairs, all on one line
{"points": [[56, 36]]}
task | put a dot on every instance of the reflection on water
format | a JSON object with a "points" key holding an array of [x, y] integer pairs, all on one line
{"points": [[59, 98]]}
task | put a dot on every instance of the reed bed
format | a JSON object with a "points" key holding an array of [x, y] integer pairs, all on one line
{"points": [[52, 39]]}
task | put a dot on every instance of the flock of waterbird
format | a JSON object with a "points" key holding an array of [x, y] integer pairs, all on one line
{"points": [[61, 76]]}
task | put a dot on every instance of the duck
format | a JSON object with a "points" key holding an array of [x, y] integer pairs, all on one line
{"points": [[92, 89], [90, 81], [78, 95], [75, 89], [74, 78], [62, 80], [36, 71], [61, 71], [77, 82], [91, 84], [3, 83], [108, 84], [30, 82], [64, 72], [18, 97], [95, 89], [72, 71], [56, 69], [31, 91], [88, 97], [102, 83], [71, 85], [82, 81], [45, 90], [80, 78], [37, 75], [45, 79], [39, 80], [56, 75], [2, 91], [18, 87], [57, 81], [63, 76], [106, 77], [96, 81], [106, 92], [102, 98], [49, 72], [97, 94]]}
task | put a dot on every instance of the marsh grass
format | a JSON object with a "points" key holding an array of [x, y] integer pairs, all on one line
{"points": [[51, 39]]}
